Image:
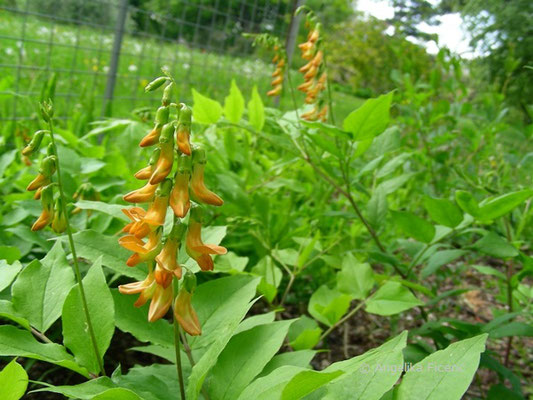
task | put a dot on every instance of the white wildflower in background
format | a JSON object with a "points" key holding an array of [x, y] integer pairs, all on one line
{"points": [[9, 51], [132, 68]]}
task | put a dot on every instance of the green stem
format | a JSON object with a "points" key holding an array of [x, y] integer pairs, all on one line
{"points": [[346, 318], [75, 257], [178, 357]]}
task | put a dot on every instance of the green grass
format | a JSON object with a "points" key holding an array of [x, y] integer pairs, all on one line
{"points": [[80, 56]]}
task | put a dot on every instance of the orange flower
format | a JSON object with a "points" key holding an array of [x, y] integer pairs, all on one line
{"points": [[323, 114], [168, 257], [179, 198], [146, 288], [310, 115], [162, 276], [161, 302], [313, 35], [304, 87], [185, 314], [311, 73], [46, 170], [47, 200], [194, 245], [143, 251], [146, 172], [275, 92], [198, 187], [142, 195], [137, 226], [183, 130], [277, 72], [158, 209], [277, 81], [161, 118], [151, 138], [166, 156]]}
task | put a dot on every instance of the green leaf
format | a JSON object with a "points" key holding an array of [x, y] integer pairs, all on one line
{"points": [[392, 298], [328, 305], [271, 386], [369, 375], [300, 358], [393, 184], [467, 202], [304, 333], [256, 110], [102, 312], [21, 343], [134, 320], [414, 226], [9, 254], [41, 289], [13, 381], [8, 273], [307, 382], [270, 275], [377, 207], [7, 311], [439, 259], [391, 165], [511, 329], [154, 382], [115, 210], [244, 357], [494, 245], [219, 321], [117, 394], [443, 211], [85, 391], [501, 205], [445, 374], [234, 104], [205, 110], [91, 245], [355, 278], [369, 120], [485, 270]]}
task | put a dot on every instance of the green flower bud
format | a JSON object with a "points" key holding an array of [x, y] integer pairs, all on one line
{"points": [[189, 282], [35, 143], [155, 84], [167, 94], [161, 116], [48, 166]]}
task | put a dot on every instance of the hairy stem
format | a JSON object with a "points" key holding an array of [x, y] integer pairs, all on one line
{"points": [[75, 257]]}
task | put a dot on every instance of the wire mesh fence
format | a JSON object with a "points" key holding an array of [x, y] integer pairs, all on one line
{"points": [[103, 52]]}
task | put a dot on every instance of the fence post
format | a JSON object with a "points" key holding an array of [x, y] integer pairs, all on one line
{"points": [[115, 55], [293, 31]]}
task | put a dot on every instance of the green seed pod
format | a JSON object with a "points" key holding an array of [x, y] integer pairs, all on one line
{"points": [[155, 84], [185, 115], [189, 282], [47, 196], [161, 116], [167, 94], [35, 143], [48, 166]]}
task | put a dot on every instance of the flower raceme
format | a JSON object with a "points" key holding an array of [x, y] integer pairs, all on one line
{"points": [[145, 233], [314, 74]]}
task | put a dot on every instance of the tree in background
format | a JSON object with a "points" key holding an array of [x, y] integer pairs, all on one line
{"points": [[364, 57], [501, 32]]}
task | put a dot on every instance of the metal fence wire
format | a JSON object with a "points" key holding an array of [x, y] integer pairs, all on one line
{"points": [[103, 52]]}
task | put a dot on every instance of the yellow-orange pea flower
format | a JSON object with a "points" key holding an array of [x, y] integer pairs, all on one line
{"points": [[161, 302], [158, 209], [161, 118], [47, 215], [185, 314], [146, 172], [168, 257], [137, 226], [47, 169], [179, 198], [200, 191], [275, 92], [143, 251], [164, 164], [183, 130], [142, 195], [146, 289], [194, 245]]}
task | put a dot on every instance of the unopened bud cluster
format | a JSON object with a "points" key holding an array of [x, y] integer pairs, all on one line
{"points": [[174, 178], [54, 210]]}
